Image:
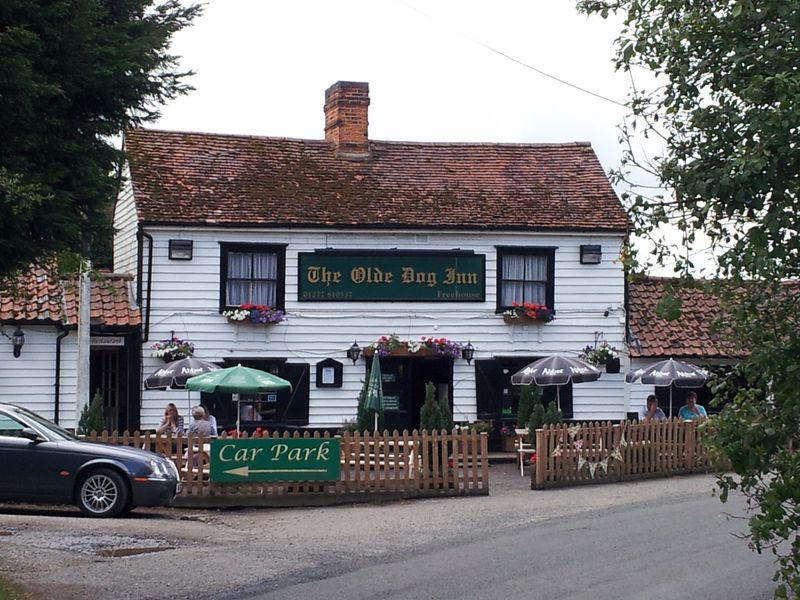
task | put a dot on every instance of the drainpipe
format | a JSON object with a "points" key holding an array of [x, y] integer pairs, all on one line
{"points": [[139, 283], [64, 333]]}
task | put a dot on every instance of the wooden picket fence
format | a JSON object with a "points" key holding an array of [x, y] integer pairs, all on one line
{"points": [[373, 466], [573, 454]]}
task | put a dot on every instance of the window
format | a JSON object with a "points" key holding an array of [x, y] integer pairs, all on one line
{"points": [[252, 274], [525, 275], [10, 427]]}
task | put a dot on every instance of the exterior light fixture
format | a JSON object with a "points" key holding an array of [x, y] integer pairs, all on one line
{"points": [[468, 352], [591, 254], [180, 249], [354, 352], [18, 341]]}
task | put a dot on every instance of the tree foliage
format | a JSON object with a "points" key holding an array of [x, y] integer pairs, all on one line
{"points": [[92, 416], [73, 74], [725, 103]]}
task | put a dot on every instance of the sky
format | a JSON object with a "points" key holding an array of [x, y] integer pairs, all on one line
{"points": [[438, 71]]}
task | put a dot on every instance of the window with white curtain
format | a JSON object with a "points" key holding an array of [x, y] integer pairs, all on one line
{"points": [[525, 275], [252, 274]]}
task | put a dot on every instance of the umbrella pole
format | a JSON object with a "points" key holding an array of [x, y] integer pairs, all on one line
{"points": [[670, 400], [376, 423], [558, 398], [238, 414]]}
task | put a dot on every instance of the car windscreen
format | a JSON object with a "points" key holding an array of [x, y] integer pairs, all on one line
{"points": [[52, 430]]}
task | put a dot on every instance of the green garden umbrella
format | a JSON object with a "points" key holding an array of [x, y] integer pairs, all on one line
{"points": [[237, 380], [374, 398]]}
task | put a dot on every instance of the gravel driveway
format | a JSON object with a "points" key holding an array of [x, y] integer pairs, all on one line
{"points": [[183, 553]]}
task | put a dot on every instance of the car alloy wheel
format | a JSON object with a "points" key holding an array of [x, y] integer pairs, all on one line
{"points": [[102, 493]]}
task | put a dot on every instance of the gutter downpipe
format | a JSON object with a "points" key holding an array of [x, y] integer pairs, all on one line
{"points": [[57, 400], [139, 284]]}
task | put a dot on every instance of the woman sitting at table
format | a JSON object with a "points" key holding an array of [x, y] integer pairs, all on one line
{"points": [[692, 410], [172, 422]]}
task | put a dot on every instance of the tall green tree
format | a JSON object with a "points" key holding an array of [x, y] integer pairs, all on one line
{"points": [[73, 74], [725, 103]]}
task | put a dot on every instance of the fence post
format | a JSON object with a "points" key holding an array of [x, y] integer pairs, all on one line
{"points": [[538, 484], [691, 429]]}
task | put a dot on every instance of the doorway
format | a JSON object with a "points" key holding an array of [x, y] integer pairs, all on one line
{"points": [[404, 380]]}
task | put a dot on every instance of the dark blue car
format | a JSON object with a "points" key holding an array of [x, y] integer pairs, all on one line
{"points": [[42, 463]]}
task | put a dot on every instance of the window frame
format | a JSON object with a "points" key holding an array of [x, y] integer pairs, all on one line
{"points": [[547, 251], [280, 285]]}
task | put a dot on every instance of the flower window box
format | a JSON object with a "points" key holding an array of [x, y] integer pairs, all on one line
{"points": [[520, 314], [427, 346], [258, 314]]}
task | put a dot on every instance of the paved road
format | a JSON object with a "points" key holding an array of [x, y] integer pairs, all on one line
{"points": [[643, 551], [614, 541]]}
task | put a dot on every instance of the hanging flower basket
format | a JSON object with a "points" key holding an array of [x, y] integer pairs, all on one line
{"points": [[172, 349], [520, 314], [604, 354], [258, 314]]}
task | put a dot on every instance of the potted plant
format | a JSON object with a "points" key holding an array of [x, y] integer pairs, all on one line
{"points": [[604, 354], [173, 348], [255, 313], [508, 436], [528, 312]]}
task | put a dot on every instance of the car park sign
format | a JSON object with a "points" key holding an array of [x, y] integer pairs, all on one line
{"points": [[235, 460]]}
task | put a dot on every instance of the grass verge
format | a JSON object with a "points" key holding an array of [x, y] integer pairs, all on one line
{"points": [[8, 591]]}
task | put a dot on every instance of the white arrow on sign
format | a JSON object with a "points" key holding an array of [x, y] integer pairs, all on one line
{"points": [[245, 471]]}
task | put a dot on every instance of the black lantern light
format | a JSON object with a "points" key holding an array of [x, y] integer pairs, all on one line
{"points": [[354, 352], [18, 341], [468, 352]]}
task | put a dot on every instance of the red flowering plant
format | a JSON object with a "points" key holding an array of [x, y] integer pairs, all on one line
{"points": [[530, 310], [442, 346], [507, 430]]}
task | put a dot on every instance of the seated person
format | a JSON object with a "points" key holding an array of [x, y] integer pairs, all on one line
{"points": [[211, 419], [199, 424], [249, 412], [652, 411], [172, 423], [692, 410]]}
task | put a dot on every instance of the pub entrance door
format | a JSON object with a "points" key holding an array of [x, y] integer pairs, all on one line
{"points": [[404, 380]]}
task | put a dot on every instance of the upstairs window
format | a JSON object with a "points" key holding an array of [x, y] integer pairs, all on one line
{"points": [[252, 274], [525, 275]]}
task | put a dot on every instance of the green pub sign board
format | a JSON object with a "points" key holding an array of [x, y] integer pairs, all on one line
{"points": [[410, 276], [274, 459]]}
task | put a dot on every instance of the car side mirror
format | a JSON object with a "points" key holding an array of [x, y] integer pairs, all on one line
{"points": [[32, 435]]}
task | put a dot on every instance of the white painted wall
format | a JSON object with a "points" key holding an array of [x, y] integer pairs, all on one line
{"points": [[125, 225], [29, 380], [186, 300]]}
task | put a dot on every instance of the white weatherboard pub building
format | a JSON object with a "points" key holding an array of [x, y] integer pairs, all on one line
{"points": [[356, 239]]}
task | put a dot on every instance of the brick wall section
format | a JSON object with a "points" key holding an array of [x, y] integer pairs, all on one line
{"points": [[346, 117]]}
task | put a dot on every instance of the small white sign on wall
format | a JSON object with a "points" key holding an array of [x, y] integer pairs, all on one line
{"points": [[107, 341]]}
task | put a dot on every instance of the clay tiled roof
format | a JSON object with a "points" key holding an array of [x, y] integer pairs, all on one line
{"points": [[38, 298], [195, 178], [687, 336]]}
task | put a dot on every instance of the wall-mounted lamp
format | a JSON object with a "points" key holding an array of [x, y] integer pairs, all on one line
{"points": [[17, 340], [353, 352], [591, 254], [180, 249], [468, 352]]}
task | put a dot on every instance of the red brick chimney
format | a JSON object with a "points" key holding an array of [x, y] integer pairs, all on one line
{"points": [[346, 111]]}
